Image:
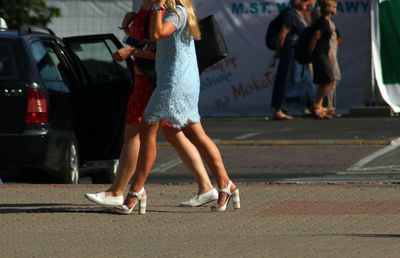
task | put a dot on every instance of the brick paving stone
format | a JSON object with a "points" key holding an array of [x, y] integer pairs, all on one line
{"points": [[275, 221]]}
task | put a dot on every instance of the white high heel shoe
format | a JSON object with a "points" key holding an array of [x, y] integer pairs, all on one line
{"points": [[235, 198], [199, 200], [102, 199], [142, 200]]}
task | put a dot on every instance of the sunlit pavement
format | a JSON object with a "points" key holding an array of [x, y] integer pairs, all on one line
{"points": [[308, 189], [278, 220]]}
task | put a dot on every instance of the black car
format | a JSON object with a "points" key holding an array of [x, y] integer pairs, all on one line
{"points": [[62, 104]]}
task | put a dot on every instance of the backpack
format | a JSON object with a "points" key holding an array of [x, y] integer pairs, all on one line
{"points": [[273, 30], [301, 47]]}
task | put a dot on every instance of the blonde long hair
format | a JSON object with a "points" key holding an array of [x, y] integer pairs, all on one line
{"points": [[328, 7], [193, 26]]}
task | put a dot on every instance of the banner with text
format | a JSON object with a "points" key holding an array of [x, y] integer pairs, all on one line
{"points": [[241, 84]]}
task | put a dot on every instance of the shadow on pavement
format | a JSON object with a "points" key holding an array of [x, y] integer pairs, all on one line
{"points": [[79, 208], [365, 235]]}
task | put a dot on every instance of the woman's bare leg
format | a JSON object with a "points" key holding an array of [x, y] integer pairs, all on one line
{"points": [[127, 160], [190, 156], [211, 155], [322, 91], [146, 159]]}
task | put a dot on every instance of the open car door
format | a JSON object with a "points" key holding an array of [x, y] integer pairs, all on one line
{"points": [[102, 99]]}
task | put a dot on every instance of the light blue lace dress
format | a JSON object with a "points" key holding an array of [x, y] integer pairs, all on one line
{"points": [[176, 96]]}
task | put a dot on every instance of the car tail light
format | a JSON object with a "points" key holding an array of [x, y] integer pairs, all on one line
{"points": [[36, 111]]}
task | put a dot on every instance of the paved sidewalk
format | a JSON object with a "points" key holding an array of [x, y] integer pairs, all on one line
{"points": [[275, 221]]}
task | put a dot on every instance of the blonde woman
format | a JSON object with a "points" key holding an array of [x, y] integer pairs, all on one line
{"points": [[175, 100]]}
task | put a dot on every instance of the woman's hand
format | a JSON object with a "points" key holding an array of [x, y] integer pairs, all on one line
{"points": [[124, 53], [128, 18], [158, 28]]}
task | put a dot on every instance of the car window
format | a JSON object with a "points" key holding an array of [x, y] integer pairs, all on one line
{"points": [[50, 66], [95, 55], [9, 62]]}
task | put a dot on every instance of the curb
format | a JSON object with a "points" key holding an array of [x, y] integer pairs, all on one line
{"points": [[293, 143]]}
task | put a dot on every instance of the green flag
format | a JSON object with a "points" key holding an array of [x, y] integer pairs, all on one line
{"points": [[385, 31], [389, 26]]}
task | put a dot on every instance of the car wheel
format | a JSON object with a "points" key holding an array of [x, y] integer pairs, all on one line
{"points": [[108, 174], [70, 167]]}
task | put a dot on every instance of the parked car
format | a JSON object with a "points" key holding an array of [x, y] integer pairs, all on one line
{"points": [[62, 104]]}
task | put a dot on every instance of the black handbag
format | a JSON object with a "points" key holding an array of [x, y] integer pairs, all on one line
{"points": [[147, 66], [211, 48]]}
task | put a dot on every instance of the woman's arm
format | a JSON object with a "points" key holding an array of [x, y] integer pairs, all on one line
{"points": [[128, 18], [147, 54], [313, 42], [338, 37], [280, 41], [159, 29], [126, 52]]}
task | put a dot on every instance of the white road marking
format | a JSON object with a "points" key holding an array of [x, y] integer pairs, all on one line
{"points": [[247, 135], [166, 165], [359, 166]]}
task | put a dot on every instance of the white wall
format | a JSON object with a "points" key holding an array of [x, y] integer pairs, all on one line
{"points": [[89, 16]]}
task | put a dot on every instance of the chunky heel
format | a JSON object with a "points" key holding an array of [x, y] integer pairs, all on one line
{"points": [[236, 199], [235, 195], [125, 210], [143, 205]]}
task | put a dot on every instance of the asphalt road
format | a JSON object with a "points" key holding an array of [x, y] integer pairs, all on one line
{"points": [[302, 150]]}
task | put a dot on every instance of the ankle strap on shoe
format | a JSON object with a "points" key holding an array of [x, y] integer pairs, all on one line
{"points": [[137, 194], [226, 189]]}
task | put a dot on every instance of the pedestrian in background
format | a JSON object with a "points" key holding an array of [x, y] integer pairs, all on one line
{"points": [[293, 80], [175, 100], [322, 56], [329, 102]]}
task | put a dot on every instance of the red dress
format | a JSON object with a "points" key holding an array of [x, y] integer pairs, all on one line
{"points": [[143, 87]]}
